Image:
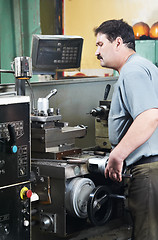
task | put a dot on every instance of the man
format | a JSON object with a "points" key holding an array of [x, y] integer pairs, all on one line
{"points": [[133, 123]]}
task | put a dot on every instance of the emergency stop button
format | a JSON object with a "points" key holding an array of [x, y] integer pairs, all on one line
{"points": [[25, 193]]}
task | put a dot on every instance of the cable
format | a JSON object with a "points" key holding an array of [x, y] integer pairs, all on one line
{"points": [[32, 94]]}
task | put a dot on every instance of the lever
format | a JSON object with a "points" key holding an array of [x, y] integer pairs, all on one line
{"points": [[52, 93], [107, 90], [12, 141]]}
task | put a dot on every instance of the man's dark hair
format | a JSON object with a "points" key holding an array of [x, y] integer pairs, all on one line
{"points": [[117, 28]]}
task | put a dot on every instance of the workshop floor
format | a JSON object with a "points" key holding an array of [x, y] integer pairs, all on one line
{"points": [[114, 230], [117, 229]]}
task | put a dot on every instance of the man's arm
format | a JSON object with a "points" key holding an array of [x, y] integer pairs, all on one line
{"points": [[139, 132]]}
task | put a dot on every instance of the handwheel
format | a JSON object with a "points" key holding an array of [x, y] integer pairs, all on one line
{"points": [[99, 205]]}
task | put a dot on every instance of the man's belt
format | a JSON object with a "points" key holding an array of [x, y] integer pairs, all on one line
{"points": [[144, 160]]}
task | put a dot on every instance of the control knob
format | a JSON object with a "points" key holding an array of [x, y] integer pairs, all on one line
{"points": [[25, 193]]}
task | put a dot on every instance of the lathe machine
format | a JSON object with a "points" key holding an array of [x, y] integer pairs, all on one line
{"points": [[66, 185], [70, 190]]}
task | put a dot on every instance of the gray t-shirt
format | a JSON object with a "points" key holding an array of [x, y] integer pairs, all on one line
{"points": [[135, 92]]}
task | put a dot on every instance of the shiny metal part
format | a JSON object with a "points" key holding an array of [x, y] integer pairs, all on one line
{"points": [[77, 194], [48, 222], [23, 67], [44, 119], [51, 139], [97, 164], [43, 103]]}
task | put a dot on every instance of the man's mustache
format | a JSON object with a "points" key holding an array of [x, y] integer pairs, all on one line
{"points": [[99, 57]]}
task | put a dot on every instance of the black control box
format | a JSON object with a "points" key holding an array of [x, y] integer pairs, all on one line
{"points": [[14, 140]]}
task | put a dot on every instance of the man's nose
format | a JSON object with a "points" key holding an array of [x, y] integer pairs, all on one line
{"points": [[97, 52]]}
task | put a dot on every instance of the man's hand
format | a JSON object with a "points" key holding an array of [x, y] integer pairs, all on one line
{"points": [[114, 168], [139, 132]]}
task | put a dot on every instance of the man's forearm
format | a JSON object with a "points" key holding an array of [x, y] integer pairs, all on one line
{"points": [[140, 131]]}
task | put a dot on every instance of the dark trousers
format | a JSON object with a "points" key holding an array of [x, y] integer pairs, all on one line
{"points": [[143, 201]]}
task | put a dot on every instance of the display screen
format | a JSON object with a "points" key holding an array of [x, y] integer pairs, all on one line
{"points": [[55, 52]]}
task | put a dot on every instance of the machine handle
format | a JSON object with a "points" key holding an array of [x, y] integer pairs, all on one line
{"points": [[12, 134], [53, 92], [107, 90], [99, 205], [98, 165], [12, 141]]}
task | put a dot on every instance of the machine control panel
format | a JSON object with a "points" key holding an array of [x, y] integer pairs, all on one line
{"points": [[14, 140]]}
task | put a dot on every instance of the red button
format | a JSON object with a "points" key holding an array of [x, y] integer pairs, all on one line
{"points": [[29, 193]]}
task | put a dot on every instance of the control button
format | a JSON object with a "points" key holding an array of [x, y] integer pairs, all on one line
{"points": [[25, 193], [29, 193], [26, 223], [14, 149]]}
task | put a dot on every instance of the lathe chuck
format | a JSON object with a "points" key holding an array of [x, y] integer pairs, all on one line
{"points": [[77, 194]]}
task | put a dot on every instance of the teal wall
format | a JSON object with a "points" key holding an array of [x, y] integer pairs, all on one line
{"points": [[19, 19], [148, 49]]}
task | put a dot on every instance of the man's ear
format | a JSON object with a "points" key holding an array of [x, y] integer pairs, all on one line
{"points": [[118, 42]]}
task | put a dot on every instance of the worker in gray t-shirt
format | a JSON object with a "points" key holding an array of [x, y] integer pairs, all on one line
{"points": [[135, 92], [133, 123]]}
